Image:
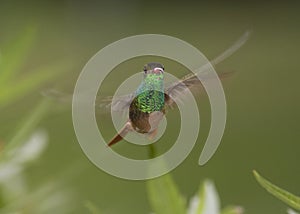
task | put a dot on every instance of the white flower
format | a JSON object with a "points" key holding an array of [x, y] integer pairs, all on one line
{"points": [[210, 203], [32, 149], [207, 202], [290, 211], [11, 178], [194, 204]]}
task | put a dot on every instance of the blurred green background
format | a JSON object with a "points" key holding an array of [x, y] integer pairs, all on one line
{"points": [[262, 129]]}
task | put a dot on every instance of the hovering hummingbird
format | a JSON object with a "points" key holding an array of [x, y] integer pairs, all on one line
{"points": [[147, 107], [148, 104]]}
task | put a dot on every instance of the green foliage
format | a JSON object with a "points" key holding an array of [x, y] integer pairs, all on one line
{"points": [[283, 195], [92, 207], [164, 196], [26, 128], [13, 56], [15, 53], [232, 210], [27, 144], [15, 156]]}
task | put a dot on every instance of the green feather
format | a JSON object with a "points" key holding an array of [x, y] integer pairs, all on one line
{"points": [[150, 94]]}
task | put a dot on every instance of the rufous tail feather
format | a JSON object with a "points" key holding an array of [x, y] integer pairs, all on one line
{"points": [[122, 133], [152, 134]]}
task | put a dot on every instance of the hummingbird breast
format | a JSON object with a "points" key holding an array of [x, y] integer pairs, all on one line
{"points": [[146, 110]]}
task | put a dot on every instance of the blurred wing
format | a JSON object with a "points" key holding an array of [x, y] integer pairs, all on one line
{"points": [[57, 95], [177, 89], [120, 103]]}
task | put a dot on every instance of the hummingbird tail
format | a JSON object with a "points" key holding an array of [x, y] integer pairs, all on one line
{"points": [[122, 133], [152, 134]]}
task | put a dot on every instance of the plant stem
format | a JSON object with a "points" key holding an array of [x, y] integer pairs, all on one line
{"points": [[152, 151]]}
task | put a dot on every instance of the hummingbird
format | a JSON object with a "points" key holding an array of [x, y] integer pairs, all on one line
{"points": [[147, 108], [148, 104]]}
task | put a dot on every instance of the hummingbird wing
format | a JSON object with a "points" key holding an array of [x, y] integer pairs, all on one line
{"points": [[57, 95], [172, 92], [176, 90], [106, 104], [118, 104]]}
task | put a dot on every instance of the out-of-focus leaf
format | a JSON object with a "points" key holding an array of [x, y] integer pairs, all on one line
{"points": [[32, 82], [52, 197], [164, 196], [27, 127], [31, 149], [12, 180], [14, 54], [92, 207], [209, 202], [288, 198], [232, 210]]}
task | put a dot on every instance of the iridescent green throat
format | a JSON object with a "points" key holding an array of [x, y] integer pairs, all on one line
{"points": [[150, 94]]}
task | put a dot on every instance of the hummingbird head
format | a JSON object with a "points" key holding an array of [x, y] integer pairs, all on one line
{"points": [[153, 76], [153, 68]]}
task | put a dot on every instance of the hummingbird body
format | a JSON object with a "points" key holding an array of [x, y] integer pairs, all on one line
{"points": [[150, 94], [148, 100], [148, 106]]}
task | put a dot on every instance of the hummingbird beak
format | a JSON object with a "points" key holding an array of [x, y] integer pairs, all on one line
{"points": [[158, 70]]}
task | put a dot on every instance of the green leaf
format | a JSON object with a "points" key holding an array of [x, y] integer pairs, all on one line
{"points": [[14, 55], [32, 82], [232, 210], [164, 196], [288, 198], [92, 207], [26, 128]]}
